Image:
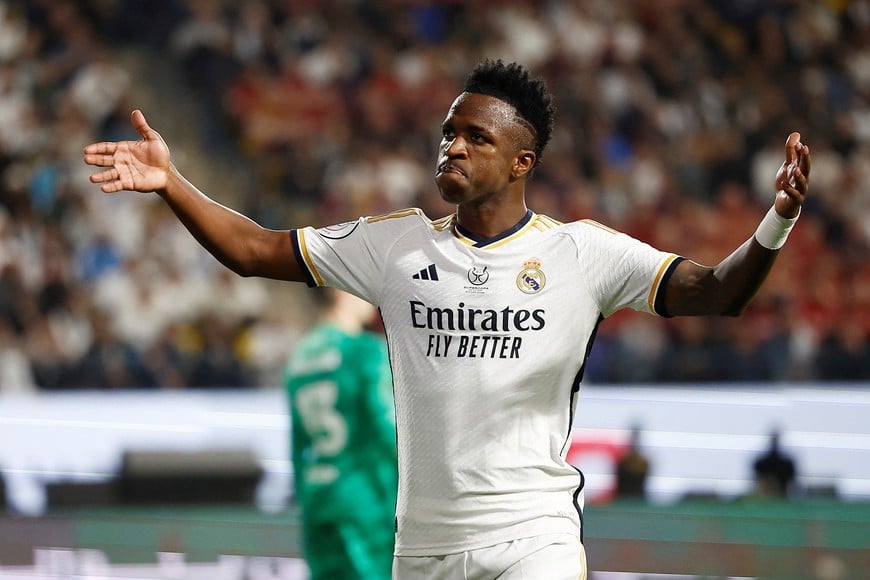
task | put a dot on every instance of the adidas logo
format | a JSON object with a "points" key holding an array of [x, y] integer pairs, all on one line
{"points": [[427, 273]]}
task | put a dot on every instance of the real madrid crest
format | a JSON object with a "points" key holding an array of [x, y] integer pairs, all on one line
{"points": [[531, 278]]}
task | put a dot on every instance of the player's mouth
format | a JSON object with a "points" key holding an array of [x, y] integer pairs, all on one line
{"points": [[448, 167]]}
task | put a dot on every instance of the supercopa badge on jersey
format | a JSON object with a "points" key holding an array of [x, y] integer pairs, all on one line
{"points": [[338, 231], [531, 278], [478, 275]]}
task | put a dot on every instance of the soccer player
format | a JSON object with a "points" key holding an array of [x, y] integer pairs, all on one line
{"points": [[489, 312], [343, 443]]}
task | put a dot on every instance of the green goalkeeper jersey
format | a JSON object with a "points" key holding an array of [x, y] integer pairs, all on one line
{"points": [[343, 429]]}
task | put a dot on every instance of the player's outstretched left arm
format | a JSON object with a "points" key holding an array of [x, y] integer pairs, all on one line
{"points": [[727, 288]]}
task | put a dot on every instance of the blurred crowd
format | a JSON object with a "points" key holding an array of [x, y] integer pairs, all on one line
{"points": [[671, 121]]}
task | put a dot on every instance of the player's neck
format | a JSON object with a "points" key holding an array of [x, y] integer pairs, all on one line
{"points": [[488, 220]]}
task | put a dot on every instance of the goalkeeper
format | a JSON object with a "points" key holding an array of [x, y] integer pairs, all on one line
{"points": [[343, 441]]}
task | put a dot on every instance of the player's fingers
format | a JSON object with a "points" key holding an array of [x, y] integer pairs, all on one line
{"points": [[105, 176], [805, 161], [796, 186], [111, 187], [784, 175], [791, 146], [141, 125], [800, 181], [100, 160], [101, 148]]}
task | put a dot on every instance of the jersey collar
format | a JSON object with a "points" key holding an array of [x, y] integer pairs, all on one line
{"points": [[516, 231]]}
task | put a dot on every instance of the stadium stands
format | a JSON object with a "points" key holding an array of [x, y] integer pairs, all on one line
{"points": [[670, 118]]}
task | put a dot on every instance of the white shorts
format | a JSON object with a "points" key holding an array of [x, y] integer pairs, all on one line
{"points": [[551, 556]]}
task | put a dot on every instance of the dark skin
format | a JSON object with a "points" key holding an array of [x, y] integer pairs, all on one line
{"points": [[485, 157]]}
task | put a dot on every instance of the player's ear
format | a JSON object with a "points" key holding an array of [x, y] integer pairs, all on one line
{"points": [[523, 163]]}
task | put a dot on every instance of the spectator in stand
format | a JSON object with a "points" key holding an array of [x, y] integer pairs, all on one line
{"points": [[16, 375], [844, 354], [110, 362], [632, 469], [775, 471], [218, 365]]}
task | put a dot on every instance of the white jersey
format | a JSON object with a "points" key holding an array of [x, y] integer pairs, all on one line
{"points": [[487, 341]]}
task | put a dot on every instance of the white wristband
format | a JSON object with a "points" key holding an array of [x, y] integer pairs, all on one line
{"points": [[774, 229]]}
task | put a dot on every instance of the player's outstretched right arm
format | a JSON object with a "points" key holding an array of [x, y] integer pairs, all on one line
{"points": [[235, 240]]}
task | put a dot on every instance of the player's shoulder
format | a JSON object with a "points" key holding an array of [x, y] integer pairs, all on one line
{"points": [[590, 227], [388, 228], [592, 236], [410, 217], [578, 229]]}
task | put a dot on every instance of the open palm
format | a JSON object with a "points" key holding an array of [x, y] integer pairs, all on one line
{"points": [[142, 165]]}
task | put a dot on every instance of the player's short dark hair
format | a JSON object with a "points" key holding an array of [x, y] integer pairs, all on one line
{"points": [[512, 84]]}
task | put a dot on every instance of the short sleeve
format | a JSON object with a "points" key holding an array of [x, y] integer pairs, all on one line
{"points": [[351, 256], [623, 272]]}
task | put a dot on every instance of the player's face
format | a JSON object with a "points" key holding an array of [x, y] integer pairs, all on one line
{"points": [[480, 149]]}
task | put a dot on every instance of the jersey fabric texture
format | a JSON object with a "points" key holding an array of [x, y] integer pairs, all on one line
{"points": [[487, 342], [343, 445]]}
